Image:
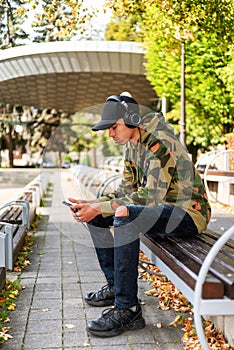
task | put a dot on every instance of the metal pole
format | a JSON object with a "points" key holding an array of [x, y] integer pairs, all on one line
{"points": [[182, 99]]}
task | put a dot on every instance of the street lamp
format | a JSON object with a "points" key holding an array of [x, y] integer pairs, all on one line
{"points": [[182, 98], [182, 39]]}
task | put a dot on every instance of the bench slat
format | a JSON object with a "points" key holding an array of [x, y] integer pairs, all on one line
{"points": [[184, 266], [222, 266], [12, 216], [215, 236], [2, 277]]}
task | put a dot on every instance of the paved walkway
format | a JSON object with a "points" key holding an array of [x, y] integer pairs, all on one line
{"points": [[51, 313]]}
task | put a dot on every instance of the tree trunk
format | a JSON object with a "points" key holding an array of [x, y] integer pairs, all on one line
{"points": [[9, 141]]}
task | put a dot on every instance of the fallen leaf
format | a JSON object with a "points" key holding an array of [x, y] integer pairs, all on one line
{"points": [[169, 297], [69, 326], [86, 343], [151, 292], [4, 333], [163, 307], [176, 320], [11, 307]]}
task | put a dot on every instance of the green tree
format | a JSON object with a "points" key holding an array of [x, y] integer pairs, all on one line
{"points": [[59, 20], [54, 20], [206, 28], [12, 16], [83, 139], [11, 136]]}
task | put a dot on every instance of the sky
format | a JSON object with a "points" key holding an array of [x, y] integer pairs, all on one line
{"points": [[98, 4], [102, 18]]}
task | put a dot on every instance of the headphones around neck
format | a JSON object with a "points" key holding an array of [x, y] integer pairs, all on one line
{"points": [[131, 118]]}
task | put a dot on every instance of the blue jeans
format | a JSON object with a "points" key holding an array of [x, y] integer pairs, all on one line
{"points": [[118, 254]]}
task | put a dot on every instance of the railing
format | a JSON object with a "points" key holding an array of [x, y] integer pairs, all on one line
{"points": [[224, 177], [93, 182]]}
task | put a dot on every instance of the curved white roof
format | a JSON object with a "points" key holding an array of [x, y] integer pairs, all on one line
{"points": [[73, 75]]}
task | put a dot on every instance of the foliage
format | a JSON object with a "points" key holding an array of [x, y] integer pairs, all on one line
{"points": [[48, 136], [11, 289], [84, 139], [185, 18], [206, 28], [59, 20], [29, 129], [110, 148], [7, 303], [121, 28], [11, 138], [12, 16], [40, 21]]}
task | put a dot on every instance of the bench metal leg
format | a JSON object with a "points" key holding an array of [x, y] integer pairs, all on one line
{"points": [[6, 252], [2, 249], [201, 278], [9, 246]]}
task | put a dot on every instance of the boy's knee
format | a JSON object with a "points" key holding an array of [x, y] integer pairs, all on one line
{"points": [[122, 211]]}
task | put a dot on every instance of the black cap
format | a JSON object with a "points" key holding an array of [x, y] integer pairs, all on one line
{"points": [[112, 111], [115, 107]]}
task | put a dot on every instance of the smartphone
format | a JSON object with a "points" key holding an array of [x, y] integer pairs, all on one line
{"points": [[70, 204], [67, 203]]}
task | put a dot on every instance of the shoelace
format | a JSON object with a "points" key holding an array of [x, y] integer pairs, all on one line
{"points": [[117, 316], [101, 292]]}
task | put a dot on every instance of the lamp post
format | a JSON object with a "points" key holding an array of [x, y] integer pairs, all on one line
{"points": [[182, 36], [182, 98]]}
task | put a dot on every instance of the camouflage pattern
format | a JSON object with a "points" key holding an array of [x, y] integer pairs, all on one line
{"points": [[158, 170]]}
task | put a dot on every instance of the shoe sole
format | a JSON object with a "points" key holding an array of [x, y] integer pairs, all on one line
{"points": [[100, 303], [138, 324]]}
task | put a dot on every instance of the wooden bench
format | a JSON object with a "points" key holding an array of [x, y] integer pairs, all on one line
{"points": [[14, 223], [30, 197], [202, 268], [15, 219]]}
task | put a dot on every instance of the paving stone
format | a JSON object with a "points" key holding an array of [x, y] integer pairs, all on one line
{"points": [[73, 301], [75, 339], [51, 304], [46, 340], [44, 326], [45, 314], [118, 347], [120, 340]]}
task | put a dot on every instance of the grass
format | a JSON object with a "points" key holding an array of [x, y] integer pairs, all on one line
{"points": [[11, 290]]}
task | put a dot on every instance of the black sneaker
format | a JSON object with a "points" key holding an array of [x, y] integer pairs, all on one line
{"points": [[115, 321], [104, 297]]}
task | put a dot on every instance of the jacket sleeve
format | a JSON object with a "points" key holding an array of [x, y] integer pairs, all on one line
{"points": [[127, 186], [153, 184]]}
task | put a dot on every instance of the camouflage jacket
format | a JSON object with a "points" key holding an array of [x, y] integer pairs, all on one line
{"points": [[158, 170]]}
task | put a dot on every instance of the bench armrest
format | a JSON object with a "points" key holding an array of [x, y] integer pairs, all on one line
{"points": [[201, 278]]}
